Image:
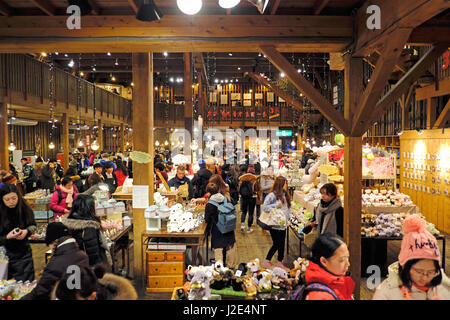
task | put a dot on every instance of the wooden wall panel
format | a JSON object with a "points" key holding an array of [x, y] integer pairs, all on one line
{"points": [[435, 207]]}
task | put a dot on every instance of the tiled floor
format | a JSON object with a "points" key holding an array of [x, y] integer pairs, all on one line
{"points": [[251, 246]]}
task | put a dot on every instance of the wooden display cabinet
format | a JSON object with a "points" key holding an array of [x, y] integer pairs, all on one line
{"points": [[165, 270]]}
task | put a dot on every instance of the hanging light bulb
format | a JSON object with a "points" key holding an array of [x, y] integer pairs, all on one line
{"points": [[95, 146], [324, 143], [166, 143], [194, 145], [12, 147], [190, 7], [51, 145], [71, 63], [293, 143], [228, 4], [80, 143], [157, 143]]}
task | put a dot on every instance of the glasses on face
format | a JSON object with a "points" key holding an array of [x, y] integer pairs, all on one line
{"points": [[423, 273]]}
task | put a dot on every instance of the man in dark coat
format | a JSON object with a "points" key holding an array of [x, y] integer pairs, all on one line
{"points": [[29, 176], [181, 179], [48, 177], [65, 253], [201, 179]]}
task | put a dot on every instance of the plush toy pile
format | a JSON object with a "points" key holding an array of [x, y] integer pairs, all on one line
{"points": [[14, 290], [382, 225], [299, 217], [385, 198], [183, 221], [111, 228], [247, 279], [313, 194]]}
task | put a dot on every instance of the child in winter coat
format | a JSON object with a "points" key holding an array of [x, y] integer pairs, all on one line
{"points": [[328, 266], [417, 275], [63, 197]]}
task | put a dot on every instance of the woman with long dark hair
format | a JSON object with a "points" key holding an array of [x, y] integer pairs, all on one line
{"points": [[121, 172], [86, 228], [17, 224], [223, 188], [278, 198]]}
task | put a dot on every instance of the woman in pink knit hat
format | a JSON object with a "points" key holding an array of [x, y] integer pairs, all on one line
{"points": [[417, 275]]}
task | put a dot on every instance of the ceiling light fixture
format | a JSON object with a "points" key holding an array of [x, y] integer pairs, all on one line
{"points": [[71, 63], [12, 147], [228, 4], [190, 7], [148, 11]]}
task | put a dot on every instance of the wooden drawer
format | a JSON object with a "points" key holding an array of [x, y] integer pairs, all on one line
{"points": [[157, 268], [165, 281], [156, 256], [175, 256]]}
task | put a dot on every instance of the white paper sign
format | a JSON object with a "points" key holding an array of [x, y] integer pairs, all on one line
{"points": [[140, 197]]}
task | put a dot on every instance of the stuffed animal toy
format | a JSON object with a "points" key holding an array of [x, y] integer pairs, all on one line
{"points": [[181, 294], [313, 173], [200, 289], [265, 282], [237, 278], [250, 286], [253, 266], [278, 276], [300, 264]]}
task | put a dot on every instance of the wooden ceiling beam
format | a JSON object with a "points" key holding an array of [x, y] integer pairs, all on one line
{"points": [[5, 9], [276, 4], [200, 63], [405, 83], [378, 80], [45, 6], [443, 117], [319, 5], [395, 14], [304, 86]]}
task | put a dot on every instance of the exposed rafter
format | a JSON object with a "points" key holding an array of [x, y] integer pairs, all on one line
{"points": [[133, 5], [200, 64], [443, 117], [319, 5], [304, 86], [276, 4], [5, 9], [45, 6]]}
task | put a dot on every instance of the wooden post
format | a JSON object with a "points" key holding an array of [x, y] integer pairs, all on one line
{"points": [[143, 124], [353, 169], [100, 135], [4, 141], [188, 105], [65, 140], [431, 112], [122, 137]]}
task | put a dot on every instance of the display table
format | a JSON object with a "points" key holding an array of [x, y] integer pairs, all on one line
{"points": [[299, 197], [121, 243], [119, 196], [197, 236]]}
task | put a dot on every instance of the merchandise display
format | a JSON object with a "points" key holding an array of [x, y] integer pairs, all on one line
{"points": [[378, 163], [14, 290], [373, 197]]}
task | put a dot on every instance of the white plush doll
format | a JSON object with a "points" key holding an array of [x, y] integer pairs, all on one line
{"points": [[313, 173], [265, 283]]}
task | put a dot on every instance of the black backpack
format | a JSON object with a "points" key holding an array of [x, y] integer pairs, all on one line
{"points": [[301, 292], [246, 189]]}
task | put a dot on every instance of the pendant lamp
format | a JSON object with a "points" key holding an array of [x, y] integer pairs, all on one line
{"points": [[190, 7], [148, 11]]}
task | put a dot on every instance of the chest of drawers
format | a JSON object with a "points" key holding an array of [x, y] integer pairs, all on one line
{"points": [[165, 270]]}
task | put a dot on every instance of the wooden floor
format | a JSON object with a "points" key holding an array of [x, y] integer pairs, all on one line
{"points": [[251, 246]]}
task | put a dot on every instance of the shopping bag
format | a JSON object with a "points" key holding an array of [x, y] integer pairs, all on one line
{"points": [[273, 218], [264, 220], [310, 237]]}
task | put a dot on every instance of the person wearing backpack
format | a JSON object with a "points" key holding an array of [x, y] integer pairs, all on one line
{"points": [[220, 217], [248, 198], [201, 179], [63, 197], [29, 175], [327, 276]]}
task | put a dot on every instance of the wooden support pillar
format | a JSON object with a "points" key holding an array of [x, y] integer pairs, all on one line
{"points": [[65, 140], [122, 137], [431, 112], [188, 106], [353, 169], [100, 135], [200, 107], [4, 140], [143, 124]]}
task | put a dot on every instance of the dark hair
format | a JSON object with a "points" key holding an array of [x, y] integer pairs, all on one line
{"points": [[39, 159], [97, 165], [24, 159], [325, 246], [24, 212], [88, 285], [83, 208], [278, 190], [217, 180], [72, 171], [212, 188], [121, 167], [66, 180], [94, 179], [159, 166], [108, 165], [181, 168], [330, 189], [404, 273], [52, 160]]}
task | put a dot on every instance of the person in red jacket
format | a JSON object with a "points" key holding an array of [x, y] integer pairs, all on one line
{"points": [[121, 173], [63, 197], [328, 267]]}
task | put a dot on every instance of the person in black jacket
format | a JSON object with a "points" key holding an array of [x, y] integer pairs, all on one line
{"points": [[86, 228], [48, 177], [201, 179], [16, 215], [65, 253], [181, 179], [110, 177], [223, 244]]}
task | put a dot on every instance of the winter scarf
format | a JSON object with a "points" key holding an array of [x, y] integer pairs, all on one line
{"points": [[406, 293], [69, 198], [329, 222]]}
